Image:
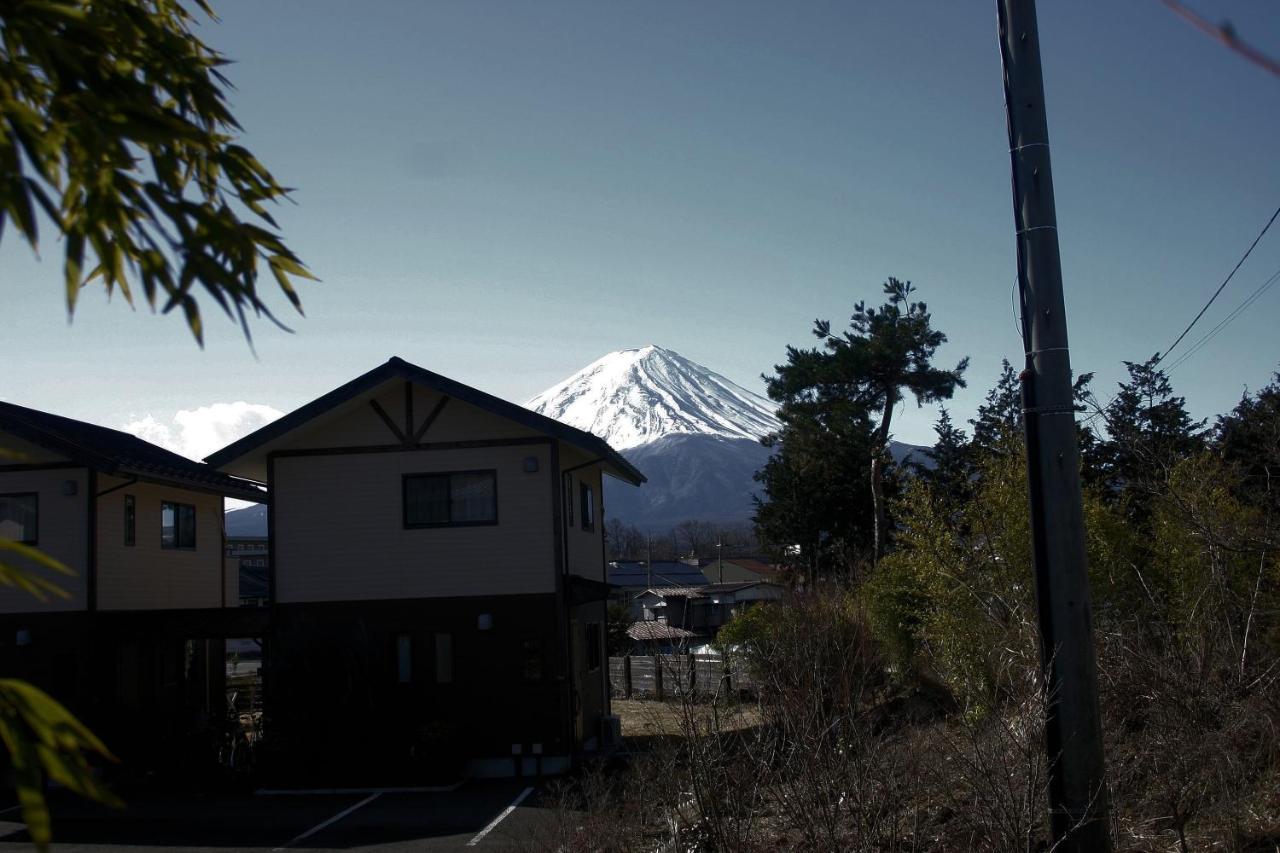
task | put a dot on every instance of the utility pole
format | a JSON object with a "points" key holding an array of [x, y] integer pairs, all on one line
{"points": [[720, 559], [1078, 808]]}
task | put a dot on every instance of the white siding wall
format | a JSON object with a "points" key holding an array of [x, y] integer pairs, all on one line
{"points": [[339, 532], [63, 534], [145, 576]]}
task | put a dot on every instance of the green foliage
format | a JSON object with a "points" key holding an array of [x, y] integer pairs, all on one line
{"points": [[44, 739], [950, 477], [1248, 439], [836, 405], [114, 124], [999, 419], [1148, 429]]}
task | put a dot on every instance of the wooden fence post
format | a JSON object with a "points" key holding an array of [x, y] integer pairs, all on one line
{"points": [[657, 676], [728, 674], [626, 676], [691, 663]]}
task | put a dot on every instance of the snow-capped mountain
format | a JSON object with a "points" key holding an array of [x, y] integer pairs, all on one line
{"points": [[694, 434], [636, 396]]}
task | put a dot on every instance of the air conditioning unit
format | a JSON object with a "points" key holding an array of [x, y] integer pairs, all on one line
{"points": [[610, 731]]}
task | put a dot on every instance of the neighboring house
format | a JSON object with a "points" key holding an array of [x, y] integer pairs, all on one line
{"points": [[437, 577], [629, 578], [742, 570], [134, 642], [703, 609], [246, 558]]}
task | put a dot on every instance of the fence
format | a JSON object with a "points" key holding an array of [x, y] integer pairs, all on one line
{"points": [[660, 676]]}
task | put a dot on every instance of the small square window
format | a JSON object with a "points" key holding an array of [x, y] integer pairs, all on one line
{"points": [[20, 517], [588, 508], [130, 520], [177, 526]]}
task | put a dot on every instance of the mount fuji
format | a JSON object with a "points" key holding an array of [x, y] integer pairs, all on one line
{"points": [[692, 432]]}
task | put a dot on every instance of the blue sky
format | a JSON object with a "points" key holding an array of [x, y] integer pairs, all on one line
{"points": [[504, 192]]}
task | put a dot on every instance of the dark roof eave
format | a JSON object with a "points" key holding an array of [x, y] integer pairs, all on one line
{"points": [[245, 491], [398, 368]]}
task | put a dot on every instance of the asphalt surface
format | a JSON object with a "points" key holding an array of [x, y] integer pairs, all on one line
{"points": [[478, 816]]}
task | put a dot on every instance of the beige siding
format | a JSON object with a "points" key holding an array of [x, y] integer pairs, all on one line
{"points": [[459, 421], [339, 532], [145, 576], [63, 533], [584, 548]]}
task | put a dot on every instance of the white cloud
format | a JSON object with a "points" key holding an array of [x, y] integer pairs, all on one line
{"points": [[195, 433]]}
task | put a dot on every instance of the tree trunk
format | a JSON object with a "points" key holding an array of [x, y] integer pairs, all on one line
{"points": [[877, 477]]}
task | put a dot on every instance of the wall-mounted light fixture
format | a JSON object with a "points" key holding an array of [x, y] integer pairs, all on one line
{"points": [[531, 464], [70, 487], [484, 622]]}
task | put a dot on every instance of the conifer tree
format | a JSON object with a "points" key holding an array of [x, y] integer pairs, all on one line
{"points": [[886, 352]]}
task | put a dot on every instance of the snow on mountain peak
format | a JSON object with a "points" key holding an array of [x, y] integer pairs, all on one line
{"points": [[634, 396]]}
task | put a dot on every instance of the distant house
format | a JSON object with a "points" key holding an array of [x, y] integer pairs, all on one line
{"points": [[742, 570], [702, 610], [134, 642], [629, 578], [437, 577], [246, 558]]}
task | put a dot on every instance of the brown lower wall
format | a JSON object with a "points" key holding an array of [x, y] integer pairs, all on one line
{"points": [[337, 707]]}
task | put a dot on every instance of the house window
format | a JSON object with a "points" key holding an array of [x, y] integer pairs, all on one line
{"points": [[593, 646], [19, 517], [130, 520], [404, 658], [588, 508], [455, 499], [444, 658], [177, 526]]}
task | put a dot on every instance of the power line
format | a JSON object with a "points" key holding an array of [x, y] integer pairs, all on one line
{"points": [[1253, 297], [1226, 34], [1239, 263]]}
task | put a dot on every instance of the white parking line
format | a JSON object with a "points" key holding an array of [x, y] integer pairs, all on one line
{"points": [[497, 820], [10, 809], [339, 816]]}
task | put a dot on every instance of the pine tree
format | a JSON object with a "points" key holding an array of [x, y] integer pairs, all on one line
{"points": [[886, 352]]}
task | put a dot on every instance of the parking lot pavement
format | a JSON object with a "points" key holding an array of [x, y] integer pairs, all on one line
{"points": [[501, 815]]}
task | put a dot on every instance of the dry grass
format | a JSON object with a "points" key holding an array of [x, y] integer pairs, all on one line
{"points": [[648, 718]]}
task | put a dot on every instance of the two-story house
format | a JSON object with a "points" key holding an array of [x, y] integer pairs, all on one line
{"points": [[131, 641], [437, 577]]}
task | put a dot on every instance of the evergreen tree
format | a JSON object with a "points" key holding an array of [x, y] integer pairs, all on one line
{"points": [[951, 474], [816, 518], [1000, 418], [886, 352], [1248, 440], [1148, 429]]}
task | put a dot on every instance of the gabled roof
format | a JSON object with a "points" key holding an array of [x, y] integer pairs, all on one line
{"points": [[703, 591], [398, 368], [119, 453], [657, 631]]}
